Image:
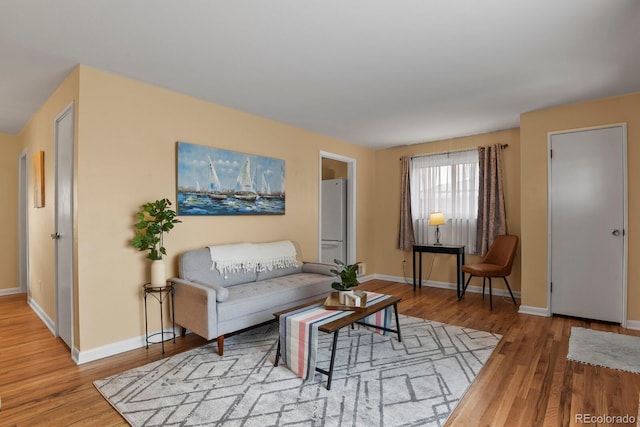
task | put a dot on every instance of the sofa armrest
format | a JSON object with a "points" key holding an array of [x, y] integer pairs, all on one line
{"points": [[318, 267], [195, 307]]}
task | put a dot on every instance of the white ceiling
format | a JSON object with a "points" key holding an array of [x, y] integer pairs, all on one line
{"points": [[372, 72]]}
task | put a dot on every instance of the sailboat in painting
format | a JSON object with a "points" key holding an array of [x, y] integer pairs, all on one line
{"points": [[265, 188], [214, 183], [244, 185]]}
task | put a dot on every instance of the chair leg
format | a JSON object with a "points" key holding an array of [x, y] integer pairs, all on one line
{"points": [[510, 293], [490, 295], [464, 289], [484, 279]]}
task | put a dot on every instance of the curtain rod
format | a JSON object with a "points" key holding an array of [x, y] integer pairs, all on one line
{"points": [[451, 151]]}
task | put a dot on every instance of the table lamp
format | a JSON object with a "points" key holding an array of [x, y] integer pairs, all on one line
{"points": [[437, 219]]}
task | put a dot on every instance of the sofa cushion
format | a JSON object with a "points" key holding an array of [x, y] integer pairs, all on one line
{"points": [[254, 297], [278, 272], [196, 265]]}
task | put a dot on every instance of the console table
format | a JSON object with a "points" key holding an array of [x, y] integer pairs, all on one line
{"points": [[456, 250]]}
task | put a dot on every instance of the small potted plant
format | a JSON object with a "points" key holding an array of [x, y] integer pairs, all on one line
{"points": [[154, 220], [348, 274]]}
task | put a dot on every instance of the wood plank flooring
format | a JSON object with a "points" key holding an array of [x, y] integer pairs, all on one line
{"points": [[526, 382]]}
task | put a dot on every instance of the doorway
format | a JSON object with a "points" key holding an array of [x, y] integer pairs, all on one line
{"points": [[334, 166], [64, 129], [587, 223], [23, 224]]}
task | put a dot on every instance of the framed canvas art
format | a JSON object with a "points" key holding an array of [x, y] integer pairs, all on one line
{"points": [[38, 179], [212, 181]]}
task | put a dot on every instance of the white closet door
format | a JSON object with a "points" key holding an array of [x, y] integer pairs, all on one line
{"points": [[64, 137], [587, 219]]}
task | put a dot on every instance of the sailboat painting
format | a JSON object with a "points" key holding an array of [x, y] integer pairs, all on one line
{"points": [[213, 181]]}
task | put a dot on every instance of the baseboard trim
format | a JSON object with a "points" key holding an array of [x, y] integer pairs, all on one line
{"points": [[10, 291], [447, 285], [366, 278], [114, 348], [50, 324], [633, 324], [534, 311]]}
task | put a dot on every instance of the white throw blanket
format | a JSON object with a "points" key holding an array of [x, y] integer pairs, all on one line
{"points": [[245, 257]]}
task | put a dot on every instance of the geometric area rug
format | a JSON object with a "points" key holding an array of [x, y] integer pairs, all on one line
{"points": [[377, 380], [607, 349]]}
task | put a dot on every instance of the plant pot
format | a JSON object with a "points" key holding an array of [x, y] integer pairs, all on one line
{"points": [[158, 273], [341, 295]]}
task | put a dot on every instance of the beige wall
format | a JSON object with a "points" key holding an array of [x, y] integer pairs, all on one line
{"points": [[387, 205], [127, 156], [9, 151], [534, 129]]}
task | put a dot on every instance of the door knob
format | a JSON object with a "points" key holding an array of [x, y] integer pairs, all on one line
{"points": [[616, 232], [55, 236]]}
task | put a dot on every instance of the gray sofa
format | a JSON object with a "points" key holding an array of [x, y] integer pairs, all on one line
{"points": [[212, 303]]}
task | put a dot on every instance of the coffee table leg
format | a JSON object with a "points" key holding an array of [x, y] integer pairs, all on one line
{"points": [[395, 310], [333, 358], [277, 354]]}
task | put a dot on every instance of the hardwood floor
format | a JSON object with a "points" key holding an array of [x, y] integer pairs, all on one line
{"points": [[526, 382]]}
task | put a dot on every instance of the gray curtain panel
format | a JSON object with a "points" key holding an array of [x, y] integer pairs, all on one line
{"points": [[406, 238], [492, 218]]}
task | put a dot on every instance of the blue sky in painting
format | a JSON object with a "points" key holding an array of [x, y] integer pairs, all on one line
{"points": [[193, 168]]}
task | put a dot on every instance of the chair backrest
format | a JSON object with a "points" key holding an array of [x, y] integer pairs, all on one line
{"points": [[502, 252]]}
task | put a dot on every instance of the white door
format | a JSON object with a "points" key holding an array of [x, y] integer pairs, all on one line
{"points": [[587, 221], [23, 223], [64, 136]]}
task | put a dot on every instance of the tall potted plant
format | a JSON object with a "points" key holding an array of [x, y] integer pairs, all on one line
{"points": [[348, 274], [154, 220]]}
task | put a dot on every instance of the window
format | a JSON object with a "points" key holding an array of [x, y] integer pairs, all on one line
{"points": [[448, 183]]}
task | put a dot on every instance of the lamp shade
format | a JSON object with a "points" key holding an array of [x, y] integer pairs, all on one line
{"points": [[436, 218]]}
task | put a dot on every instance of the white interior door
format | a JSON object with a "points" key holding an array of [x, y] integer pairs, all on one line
{"points": [[23, 222], [587, 222], [64, 141]]}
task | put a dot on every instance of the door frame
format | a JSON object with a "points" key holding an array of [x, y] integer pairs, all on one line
{"points": [[23, 222], [625, 214], [68, 110], [351, 203]]}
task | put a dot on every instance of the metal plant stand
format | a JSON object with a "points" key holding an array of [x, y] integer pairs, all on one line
{"points": [[160, 293]]}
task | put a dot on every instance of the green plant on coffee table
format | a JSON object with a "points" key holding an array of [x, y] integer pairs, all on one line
{"points": [[348, 275], [154, 220]]}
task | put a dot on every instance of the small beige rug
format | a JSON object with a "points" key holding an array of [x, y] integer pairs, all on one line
{"points": [[606, 349]]}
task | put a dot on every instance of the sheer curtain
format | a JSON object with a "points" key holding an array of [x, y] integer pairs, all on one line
{"points": [[446, 182]]}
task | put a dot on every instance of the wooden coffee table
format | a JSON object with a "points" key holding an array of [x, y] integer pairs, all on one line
{"points": [[334, 327]]}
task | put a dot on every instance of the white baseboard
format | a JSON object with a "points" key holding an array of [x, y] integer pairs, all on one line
{"points": [[50, 324], [366, 278], [447, 285], [10, 291], [535, 311], [392, 278], [633, 324], [114, 348]]}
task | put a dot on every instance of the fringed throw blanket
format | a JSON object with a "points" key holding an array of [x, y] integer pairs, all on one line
{"points": [[245, 257], [299, 332]]}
